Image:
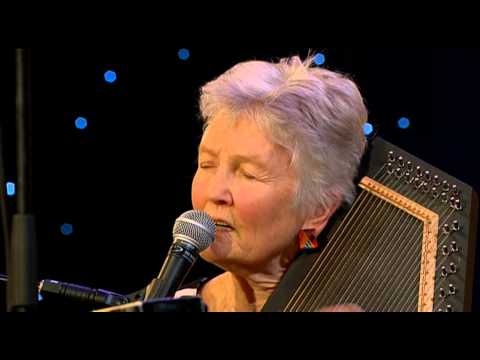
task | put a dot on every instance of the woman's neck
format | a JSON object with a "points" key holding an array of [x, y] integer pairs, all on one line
{"points": [[246, 291], [252, 293], [232, 293]]}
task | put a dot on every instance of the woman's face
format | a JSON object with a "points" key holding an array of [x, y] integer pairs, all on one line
{"points": [[245, 181]]}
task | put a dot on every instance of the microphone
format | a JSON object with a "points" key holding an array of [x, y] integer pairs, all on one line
{"points": [[81, 294], [56, 290], [193, 232]]}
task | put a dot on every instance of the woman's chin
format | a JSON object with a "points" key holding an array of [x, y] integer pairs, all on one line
{"points": [[217, 252]]}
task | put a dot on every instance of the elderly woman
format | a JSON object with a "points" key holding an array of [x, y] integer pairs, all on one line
{"points": [[281, 146]]}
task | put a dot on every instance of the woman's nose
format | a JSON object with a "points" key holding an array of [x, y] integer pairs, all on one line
{"points": [[219, 191]]}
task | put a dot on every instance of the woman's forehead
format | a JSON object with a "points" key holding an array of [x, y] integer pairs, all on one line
{"points": [[228, 127], [240, 135]]}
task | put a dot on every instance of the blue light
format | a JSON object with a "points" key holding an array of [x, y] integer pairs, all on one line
{"points": [[10, 189], [319, 59], [66, 229], [184, 54], [368, 129], [110, 76], [404, 123], [81, 123], [40, 297]]}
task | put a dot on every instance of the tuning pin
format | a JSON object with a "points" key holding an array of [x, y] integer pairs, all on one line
{"points": [[452, 202], [445, 186], [390, 168], [436, 180], [445, 251], [425, 188], [458, 205], [419, 172], [456, 226], [427, 176], [454, 247], [435, 193], [446, 229], [455, 191], [452, 290], [399, 173], [418, 183], [407, 177], [442, 293], [409, 166], [449, 308], [453, 268], [444, 197], [444, 272], [391, 156], [401, 161]]}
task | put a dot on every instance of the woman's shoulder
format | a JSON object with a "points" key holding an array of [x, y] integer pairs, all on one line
{"points": [[203, 286], [190, 289], [215, 291], [193, 288]]}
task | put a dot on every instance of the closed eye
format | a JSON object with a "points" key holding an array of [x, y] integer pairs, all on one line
{"points": [[206, 166], [248, 176]]}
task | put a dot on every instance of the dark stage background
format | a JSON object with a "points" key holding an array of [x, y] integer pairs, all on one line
{"points": [[123, 180]]}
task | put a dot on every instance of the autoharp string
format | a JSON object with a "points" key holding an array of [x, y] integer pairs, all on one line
{"points": [[390, 277], [301, 296], [412, 276], [379, 268], [364, 243], [307, 290]]}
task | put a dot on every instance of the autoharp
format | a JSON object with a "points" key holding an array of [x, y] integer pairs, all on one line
{"points": [[407, 243]]}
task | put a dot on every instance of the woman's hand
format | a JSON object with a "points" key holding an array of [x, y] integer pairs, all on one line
{"points": [[347, 308]]}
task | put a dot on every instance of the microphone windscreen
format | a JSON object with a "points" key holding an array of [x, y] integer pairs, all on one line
{"points": [[196, 227]]}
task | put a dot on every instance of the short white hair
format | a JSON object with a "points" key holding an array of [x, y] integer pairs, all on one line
{"points": [[316, 114]]}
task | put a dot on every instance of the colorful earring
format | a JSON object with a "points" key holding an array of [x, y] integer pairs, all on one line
{"points": [[307, 240]]}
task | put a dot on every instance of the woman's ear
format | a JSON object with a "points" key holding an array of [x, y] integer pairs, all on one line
{"points": [[319, 220]]}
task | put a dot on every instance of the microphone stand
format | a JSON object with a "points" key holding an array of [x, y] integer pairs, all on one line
{"points": [[22, 286], [4, 225]]}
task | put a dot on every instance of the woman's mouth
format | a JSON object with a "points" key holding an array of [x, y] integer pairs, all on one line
{"points": [[223, 226]]}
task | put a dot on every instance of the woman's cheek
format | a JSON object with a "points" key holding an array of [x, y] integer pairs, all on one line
{"points": [[197, 186]]}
